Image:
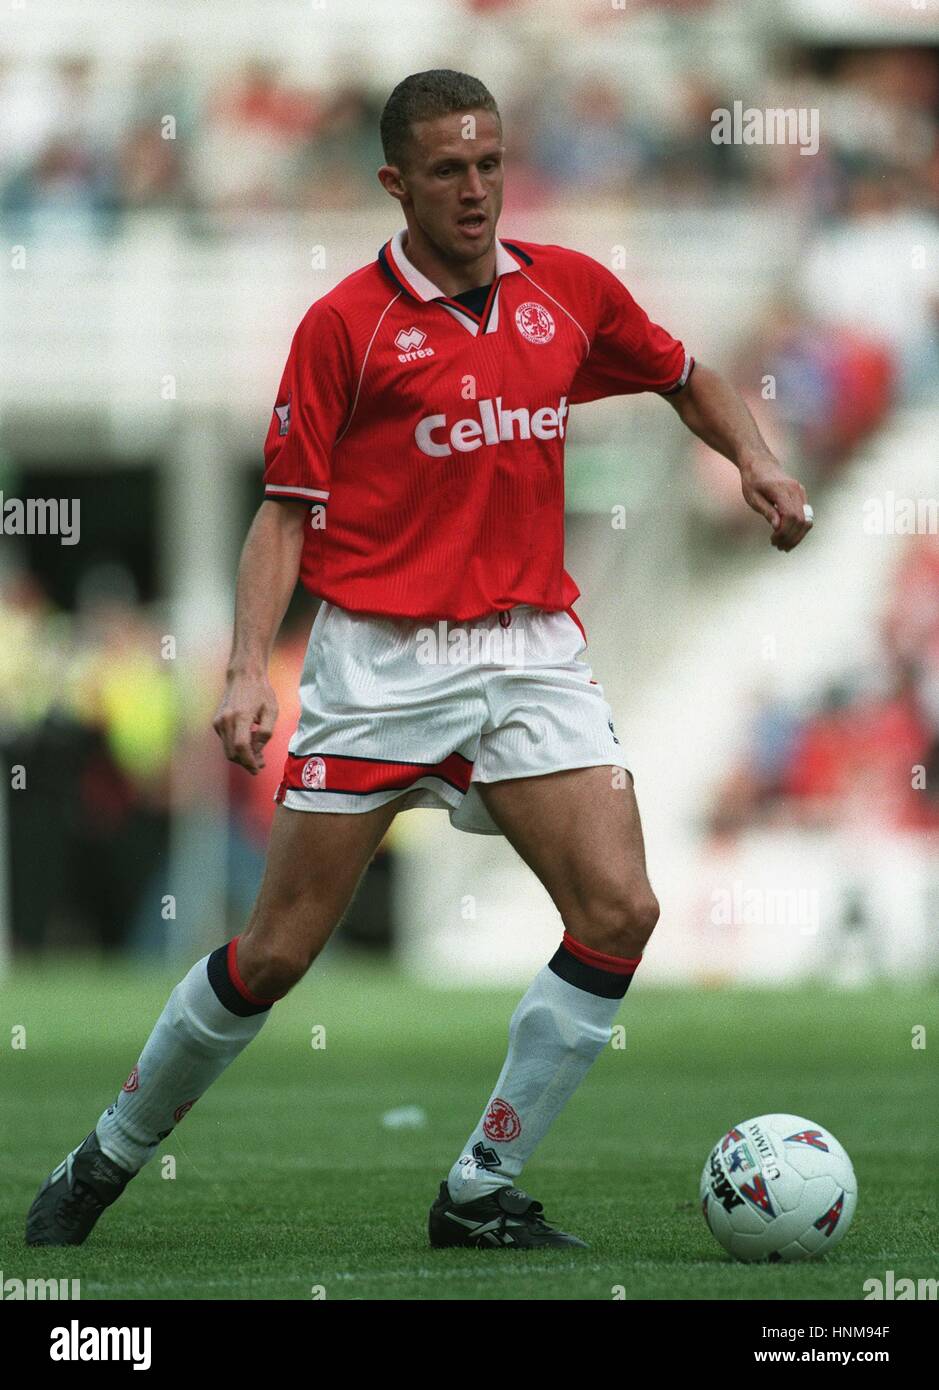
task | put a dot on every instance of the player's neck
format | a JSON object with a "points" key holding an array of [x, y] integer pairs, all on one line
{"points": [[453, 277]]}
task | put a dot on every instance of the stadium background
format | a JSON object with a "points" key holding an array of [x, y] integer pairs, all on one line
{"points": [[177, 184]]}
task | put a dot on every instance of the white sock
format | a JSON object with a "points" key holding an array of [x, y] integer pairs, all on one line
{"points": [[559, 1028], [209, 1018]]}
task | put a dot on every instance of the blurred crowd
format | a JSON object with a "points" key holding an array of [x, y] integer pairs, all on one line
{"points": [[80, 138], [865, 752], [89, 712], [108, 730], [85, 148], [113, 736], [113, 739]]}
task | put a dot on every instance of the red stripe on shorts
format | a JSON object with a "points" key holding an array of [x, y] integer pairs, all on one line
{"points": [[331, 772]]}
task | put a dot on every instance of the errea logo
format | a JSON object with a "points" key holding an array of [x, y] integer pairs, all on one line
{"points": [[411, 342]]}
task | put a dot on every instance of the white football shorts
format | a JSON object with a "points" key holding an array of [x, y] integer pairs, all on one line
{"points": [[424, 711]]}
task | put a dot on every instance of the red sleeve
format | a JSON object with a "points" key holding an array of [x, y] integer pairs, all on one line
{"points": [[628, 352], [313, 404]]}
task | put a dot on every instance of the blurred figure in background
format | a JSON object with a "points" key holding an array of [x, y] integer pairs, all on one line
{"points": [[849, 334], [249, 147], [88, 709], [852, 756], [876, 271]]}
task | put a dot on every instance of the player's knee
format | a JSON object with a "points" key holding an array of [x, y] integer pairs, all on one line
{"points": [[620, 920], [644, 917], [270, 968]]}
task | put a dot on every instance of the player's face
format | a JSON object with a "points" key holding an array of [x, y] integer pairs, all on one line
{"points": [[453, 182]]}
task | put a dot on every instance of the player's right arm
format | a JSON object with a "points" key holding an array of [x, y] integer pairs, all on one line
{"points": [[267, 577], [313, 402]]}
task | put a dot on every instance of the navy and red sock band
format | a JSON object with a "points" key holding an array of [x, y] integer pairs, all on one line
{"points": [[232, 992], [594, 971]]}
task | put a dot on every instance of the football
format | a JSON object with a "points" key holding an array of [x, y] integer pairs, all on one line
{"points": [[778, 1188]]}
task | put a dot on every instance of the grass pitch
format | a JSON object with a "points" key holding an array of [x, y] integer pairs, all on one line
{"points": [[287, 1182]]}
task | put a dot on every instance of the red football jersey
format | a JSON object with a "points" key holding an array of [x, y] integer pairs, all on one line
{"points": [[429, 440]]}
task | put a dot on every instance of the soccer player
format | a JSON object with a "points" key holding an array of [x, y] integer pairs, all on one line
{"points": [[414, 480]]}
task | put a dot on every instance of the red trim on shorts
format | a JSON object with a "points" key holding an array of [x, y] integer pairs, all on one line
{"points": [[360, 776], [616, 965], [571, 614], [231, 960]]}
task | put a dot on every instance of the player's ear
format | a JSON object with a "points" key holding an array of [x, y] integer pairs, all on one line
{"points": [[389, 176]]}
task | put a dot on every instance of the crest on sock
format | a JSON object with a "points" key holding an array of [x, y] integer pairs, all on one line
{"points": [[501, 1124]]}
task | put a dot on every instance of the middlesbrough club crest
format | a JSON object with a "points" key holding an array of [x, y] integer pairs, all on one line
{"points": [[501, 1123], [534, 322], [313, 775], [132, 1082]]}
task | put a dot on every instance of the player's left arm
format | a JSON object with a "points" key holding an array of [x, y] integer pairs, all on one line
{"points": [[716, 412]]}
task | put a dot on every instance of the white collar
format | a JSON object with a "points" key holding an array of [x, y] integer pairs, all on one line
{"points": [[425, 289]]}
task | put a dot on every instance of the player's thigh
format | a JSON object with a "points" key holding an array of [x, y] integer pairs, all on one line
{"points": [[580, 832], [314, 862]]}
